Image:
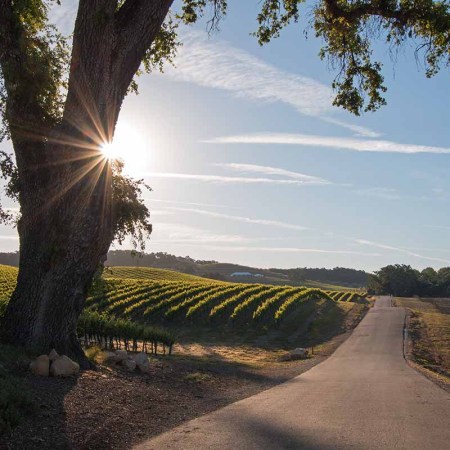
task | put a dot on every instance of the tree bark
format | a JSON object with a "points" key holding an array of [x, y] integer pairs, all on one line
{"points": [[65, 231], [65, 228]]}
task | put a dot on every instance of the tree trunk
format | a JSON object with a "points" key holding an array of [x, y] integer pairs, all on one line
{"points": [[65, 232], [65, 228]]}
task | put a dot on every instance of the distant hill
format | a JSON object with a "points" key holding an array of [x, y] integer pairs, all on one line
{"points": [[314, 277], [10, 259], [320, 277]]}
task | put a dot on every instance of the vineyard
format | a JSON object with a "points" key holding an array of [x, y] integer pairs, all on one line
{"points": [[148, 273], [128, 304], [145, 296]]}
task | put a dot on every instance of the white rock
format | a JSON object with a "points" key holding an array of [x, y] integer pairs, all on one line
{"points": [[129, 364], [64, 367], [298, 353], [40, 366], [53, 355], [140, 358], [145, 367]]}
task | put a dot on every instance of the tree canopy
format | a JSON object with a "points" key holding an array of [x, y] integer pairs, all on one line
{"points": [[402, 280]]}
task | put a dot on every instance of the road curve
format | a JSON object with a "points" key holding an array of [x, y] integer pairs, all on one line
{"points": [[364, 396]]}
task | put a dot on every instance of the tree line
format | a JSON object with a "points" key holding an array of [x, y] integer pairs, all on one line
{"points": [[338, 275], [404, 281]]}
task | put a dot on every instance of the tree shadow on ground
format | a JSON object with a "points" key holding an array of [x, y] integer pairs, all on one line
{"points": [[44, 427]]}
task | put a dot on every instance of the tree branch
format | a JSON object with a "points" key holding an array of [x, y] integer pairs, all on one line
{"points": [[382, 8], [24, 114], [136, 25]]}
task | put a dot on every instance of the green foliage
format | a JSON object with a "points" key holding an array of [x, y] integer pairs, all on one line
{"points": [[295, 300], [149, 274], [146, 297], [399, 279], [404, 281], [96, 327], [131, 216], [349, 30], [271, 302], [109, 332], [196, 302]]}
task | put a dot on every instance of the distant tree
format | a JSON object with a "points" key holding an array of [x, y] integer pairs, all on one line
{"points": [[444, 282], [337, 275], [429, 282], [399, 279], [60, 101]]}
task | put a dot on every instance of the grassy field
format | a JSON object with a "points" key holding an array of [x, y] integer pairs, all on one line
{"points": [[430, 332]]}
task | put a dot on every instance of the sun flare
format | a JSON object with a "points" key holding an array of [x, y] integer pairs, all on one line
{"points": [[130, 147]]}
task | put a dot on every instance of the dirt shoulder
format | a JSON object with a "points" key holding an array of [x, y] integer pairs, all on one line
{"points": [[428, 347], [112, 409]]}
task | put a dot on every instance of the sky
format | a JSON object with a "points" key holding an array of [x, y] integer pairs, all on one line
{"points": [[250, 163]]}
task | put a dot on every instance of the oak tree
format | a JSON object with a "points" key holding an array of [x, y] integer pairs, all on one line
{"points": [[60, 100]]}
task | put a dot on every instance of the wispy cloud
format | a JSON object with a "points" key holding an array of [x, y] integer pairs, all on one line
{"points": [[360, 145], [273, 223], [289, 250], [217, 64], [184, 234], [380, 192], [174, 202], [161, 212], [174, 233], [220, 179], [441, 227], [357, 129], [400, 250], [266, 170]]}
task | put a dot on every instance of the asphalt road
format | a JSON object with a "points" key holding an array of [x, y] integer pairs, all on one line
{"points": [[364, 396]]}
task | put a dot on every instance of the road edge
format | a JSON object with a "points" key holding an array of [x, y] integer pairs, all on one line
{"points": [[438, 379]]}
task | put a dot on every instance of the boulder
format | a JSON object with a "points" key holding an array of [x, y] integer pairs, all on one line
{"points": [[53, 355], [40, 366], [142, 361], [144, 367], [129, 364], [64, 367], [298, 353], [110, 357], [121, 355], [140, 358]]}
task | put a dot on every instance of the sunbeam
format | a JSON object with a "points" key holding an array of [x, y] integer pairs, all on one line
{"points": [[129, 147]]}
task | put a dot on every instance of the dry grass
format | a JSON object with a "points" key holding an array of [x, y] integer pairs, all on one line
{"points": [[430, 331]]}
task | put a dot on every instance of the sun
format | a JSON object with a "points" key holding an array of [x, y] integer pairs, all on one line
{"points": [[130, 147], [110, 151]]}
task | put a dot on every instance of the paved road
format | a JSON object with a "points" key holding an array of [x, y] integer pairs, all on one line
{"points": [[364, 396]]}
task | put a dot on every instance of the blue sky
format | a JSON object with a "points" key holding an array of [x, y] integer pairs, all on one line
{"points": [[250, 163]]}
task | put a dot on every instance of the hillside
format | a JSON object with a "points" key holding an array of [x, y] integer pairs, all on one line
{"points": [[339, 276], [163, 297], [150, 274], [314, 277]]}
